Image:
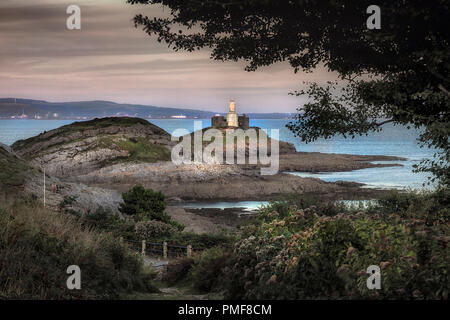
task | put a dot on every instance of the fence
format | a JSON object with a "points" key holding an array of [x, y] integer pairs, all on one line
{"points": [[164, 249]]}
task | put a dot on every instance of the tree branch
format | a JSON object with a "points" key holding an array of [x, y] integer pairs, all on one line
{"points": [[379, 124], [442, 88]]}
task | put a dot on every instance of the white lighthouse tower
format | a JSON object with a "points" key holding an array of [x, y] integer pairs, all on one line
{"points": [[232, 117]]}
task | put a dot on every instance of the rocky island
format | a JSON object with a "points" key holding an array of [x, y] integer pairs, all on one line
{"points": [[97, 160]]}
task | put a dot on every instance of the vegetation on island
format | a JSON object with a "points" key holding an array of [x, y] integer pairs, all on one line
{"points": [[137, 149]]}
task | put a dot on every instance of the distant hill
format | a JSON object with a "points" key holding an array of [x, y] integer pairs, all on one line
{"points": [[12, 107]]}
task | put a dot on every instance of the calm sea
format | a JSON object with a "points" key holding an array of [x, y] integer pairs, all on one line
{"points": [[393, 140]]}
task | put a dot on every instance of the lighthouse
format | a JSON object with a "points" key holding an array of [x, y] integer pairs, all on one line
{"points": [[232, 117], [233, 120]]}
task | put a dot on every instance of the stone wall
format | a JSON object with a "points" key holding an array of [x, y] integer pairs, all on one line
{"points": [[218, 122], [243, 122]]}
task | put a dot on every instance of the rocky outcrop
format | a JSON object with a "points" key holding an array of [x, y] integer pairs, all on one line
{"points": [[18, 177], [332, 162], [213, 182], [260, 135], [83, 147]]}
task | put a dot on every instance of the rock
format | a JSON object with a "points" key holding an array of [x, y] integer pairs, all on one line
{"points": [[19, 177], [6, 148], [83, 147]]}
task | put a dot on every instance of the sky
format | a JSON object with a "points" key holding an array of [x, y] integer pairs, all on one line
{"points": [[109, 59]]}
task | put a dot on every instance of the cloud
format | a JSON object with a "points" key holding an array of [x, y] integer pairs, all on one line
{"points": [[109, 59]]}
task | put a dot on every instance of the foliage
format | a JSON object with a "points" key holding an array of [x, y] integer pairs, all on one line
{"points": [[308, 255], [177, 270], [14, 170], [104, 220], [201, 241], [283, 206], [398, 74], [139, 149], [430, 206], [140, 200], [151, 230], [37, 246], [207, 268], [66, 204], [144, 204]]}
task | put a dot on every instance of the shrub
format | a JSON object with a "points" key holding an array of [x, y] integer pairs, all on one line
{"points": [[305, 255], [145, 204], [66, 204], [37, 245], [201, 241], [177, 270], [139, 200], [207, 268], [429, 205], [285, 204], [150, 230], [104, 220]]}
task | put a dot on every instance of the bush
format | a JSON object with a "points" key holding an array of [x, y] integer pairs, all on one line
{"points": [[429, 205], [151, 230], [177, 270], [201, 241], [37, 245], [139, 200], [284, 205], [106, 221], [144, 204], [207, 268], [305, 255]]}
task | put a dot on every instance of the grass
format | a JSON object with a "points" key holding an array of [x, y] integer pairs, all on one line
{"points": [[13, 170], [139, 149], [37, 245]]}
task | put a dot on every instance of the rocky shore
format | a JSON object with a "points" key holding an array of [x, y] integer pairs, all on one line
{"points": [[216, 182]]}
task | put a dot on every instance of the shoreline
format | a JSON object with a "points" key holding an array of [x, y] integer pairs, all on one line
{"points": [[200, 182]]}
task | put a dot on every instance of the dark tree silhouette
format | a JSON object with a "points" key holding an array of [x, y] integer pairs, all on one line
{"points": [[398, 74]]}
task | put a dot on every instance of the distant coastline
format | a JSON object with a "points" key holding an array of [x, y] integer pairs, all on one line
{"points": [[20, 109]]}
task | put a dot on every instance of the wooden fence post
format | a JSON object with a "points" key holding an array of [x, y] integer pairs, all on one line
{"points": [[165, 250], [189, 251], [143, 247]]}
